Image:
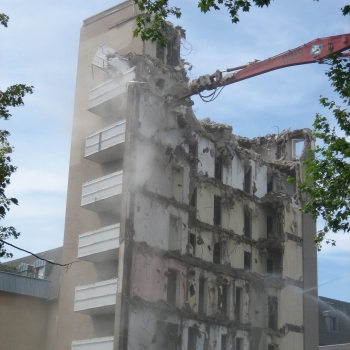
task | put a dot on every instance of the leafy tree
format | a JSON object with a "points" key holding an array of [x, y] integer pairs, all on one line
{"points": [[327, 181], [151, 22], [11, 97]]}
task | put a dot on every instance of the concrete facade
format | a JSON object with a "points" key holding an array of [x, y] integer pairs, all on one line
{"points": [[202, 245]]}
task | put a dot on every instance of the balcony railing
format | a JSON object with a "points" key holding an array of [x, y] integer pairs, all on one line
{"points": [[97, 298], [99, 245], [107, 144], [106, 99], [105, 343], [103, 194]]}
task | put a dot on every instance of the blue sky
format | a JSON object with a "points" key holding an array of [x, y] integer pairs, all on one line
{"points": [[40, 48]]}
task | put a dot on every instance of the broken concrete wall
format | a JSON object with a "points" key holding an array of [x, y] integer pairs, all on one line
{"points": [[207, 336], [233, 235], [206, 157], [150, 278], [153, 220]]}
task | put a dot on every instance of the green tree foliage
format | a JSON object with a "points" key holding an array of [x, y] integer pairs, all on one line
{"points": [[327, 181], [11, 97], [150, 23]]}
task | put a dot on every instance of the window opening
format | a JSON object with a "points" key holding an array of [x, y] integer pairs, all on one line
{"points": [[223, 300], [239, 344], [270, 185], [172, 287], [194, 198], [281, 150], [193, 243], [247, 260], [273, 312], [192, 338], [174, 236], [217, 211], [203, 295], [160, 84], [40, 272], [247, 180], [274, 262], [247, 222], [172, 56], [177, 183], [297, 148], [218, 168], [193, 149], [160, 54], [217, 253], [224, 342], [167, 336], [239, 304], [269, 225], [333, 324], [269, 266]]}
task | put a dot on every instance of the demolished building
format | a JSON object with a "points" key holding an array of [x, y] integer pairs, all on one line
{"points": [[190, 237]]}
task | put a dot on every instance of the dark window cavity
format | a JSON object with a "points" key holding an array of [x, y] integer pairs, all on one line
{"points": [[247, 222], [224, 342], [273, 312], [194, 198], [203, 295], [218, 168], [239, 344], [192, 338], [217, 253], [217, 211], [247, 179], [333, 324], [193, 149], [193, 243], [269, 225], [223, 300], [247, 260], [274, 262], [270, 185], [172, 286], [239, 304], [167, 336]]}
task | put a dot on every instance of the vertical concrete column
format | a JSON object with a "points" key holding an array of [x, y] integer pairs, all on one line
{"points": [[126, 223], [310, 284]]}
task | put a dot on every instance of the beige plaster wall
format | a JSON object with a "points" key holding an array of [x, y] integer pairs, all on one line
{"points": [[22, 322]]}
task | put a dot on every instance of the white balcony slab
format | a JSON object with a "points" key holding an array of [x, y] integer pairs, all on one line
{"points": [[100, 245], [106, 99], [97, 298], [106, 145], [103, 194], [105, 343]]}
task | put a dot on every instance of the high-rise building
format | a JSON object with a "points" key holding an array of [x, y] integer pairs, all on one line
{"points": [[188, 236]]}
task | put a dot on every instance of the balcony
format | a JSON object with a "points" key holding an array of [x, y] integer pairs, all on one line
{"points": [[104, 193], [107, 144], [97, 298], [108, 98], [99, 245], [105, 343]]}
